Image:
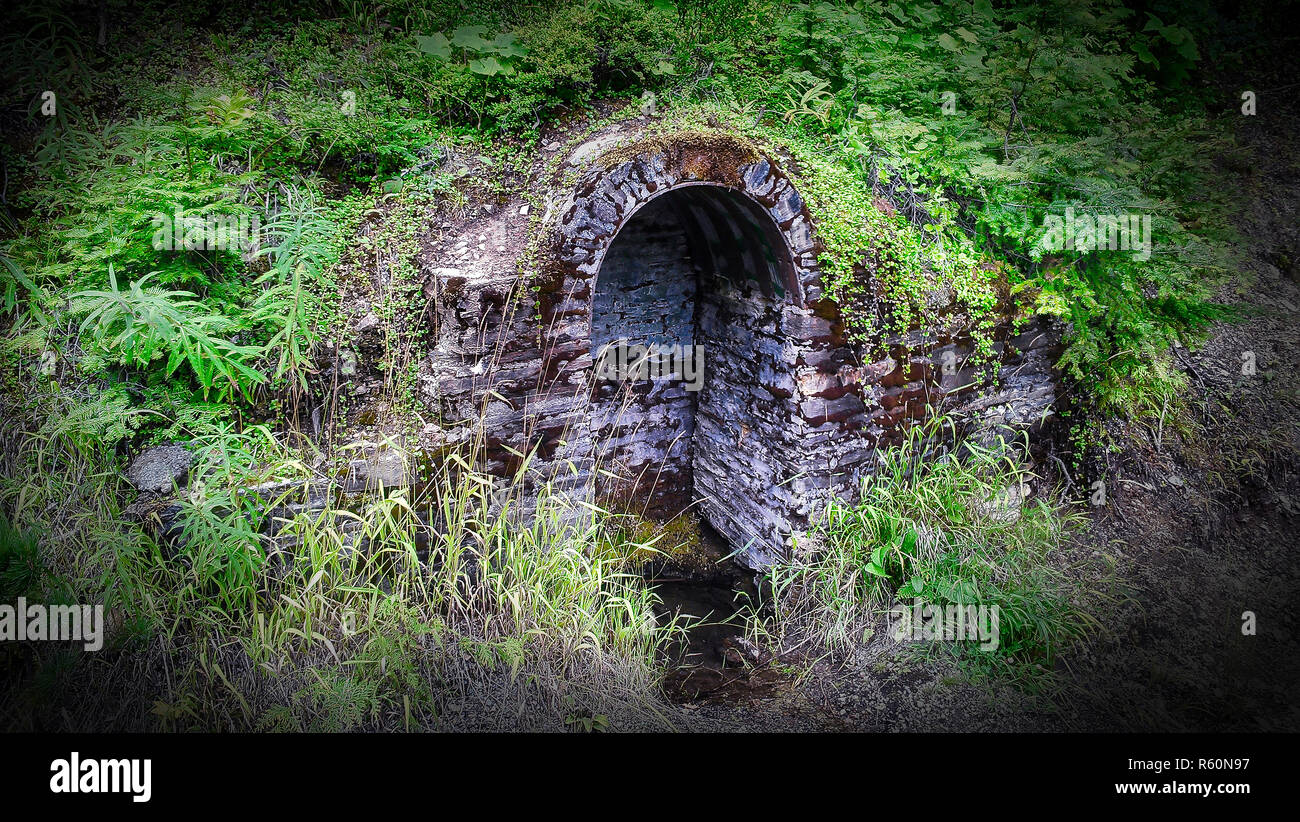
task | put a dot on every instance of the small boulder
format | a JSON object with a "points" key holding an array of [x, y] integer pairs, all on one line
{"points": [[736, 650], [368, 323], [160, 468], [1004, 507], [385, 468], [593, 148]]}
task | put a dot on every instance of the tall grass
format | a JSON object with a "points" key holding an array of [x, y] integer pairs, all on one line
{"points": [[946, 526], [417, 607]]}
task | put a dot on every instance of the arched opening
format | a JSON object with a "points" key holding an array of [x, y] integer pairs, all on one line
{"points": [[694, 283]]}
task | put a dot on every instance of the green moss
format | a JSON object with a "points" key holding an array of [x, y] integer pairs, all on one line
{"points": [[868, 250], [679, 542]]}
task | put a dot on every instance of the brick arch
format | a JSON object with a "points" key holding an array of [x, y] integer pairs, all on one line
{"points": [[740, 212], [605, 199]]}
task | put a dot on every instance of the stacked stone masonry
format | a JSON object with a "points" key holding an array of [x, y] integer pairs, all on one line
{"points": [[675, 242]]}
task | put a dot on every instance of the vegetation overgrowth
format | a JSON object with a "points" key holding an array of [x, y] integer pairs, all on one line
{"points": [[183, 183]]}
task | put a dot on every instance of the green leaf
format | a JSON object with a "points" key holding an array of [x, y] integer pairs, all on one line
{"points": [[947, 42], [1143, 52], [470, 37], [489, 66], [507, 45], [436, 45], [909, 541]]}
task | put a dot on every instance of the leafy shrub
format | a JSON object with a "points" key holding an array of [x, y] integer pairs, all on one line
{"points": [[945, 529], [138, 325]]}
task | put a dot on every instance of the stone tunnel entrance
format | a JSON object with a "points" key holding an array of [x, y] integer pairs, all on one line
{"points": [[687, 239], [696, 280], [696, 239], [682, 239]]}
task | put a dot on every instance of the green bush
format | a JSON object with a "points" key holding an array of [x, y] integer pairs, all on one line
{"points": [[947, 529]]}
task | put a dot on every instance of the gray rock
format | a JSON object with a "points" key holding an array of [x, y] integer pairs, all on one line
{"points": [[1005, 506], [593, 148], [368, 323], [49, 363], [160, 468], [757, 177], [385, 468]]}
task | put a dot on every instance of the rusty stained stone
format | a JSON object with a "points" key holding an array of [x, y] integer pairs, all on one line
{"points": [[810, 328], [557, 357], [609, 199], [621, 173], [773, 196], [889, 420], [919, 369], [912, 369], [822, 357], [895, 397], [822, 385]]}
